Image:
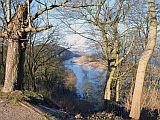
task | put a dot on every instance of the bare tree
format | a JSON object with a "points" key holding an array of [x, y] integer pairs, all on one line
{"points": [[106, 19], [136, 100]]}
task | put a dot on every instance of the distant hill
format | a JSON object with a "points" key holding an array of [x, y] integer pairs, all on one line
{"points": [[57, 51], [64, 53]]}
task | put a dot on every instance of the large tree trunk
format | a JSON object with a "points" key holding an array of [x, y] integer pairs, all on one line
{"points": [[14, 52], [11, 66], [136, 100], [20, 78]]}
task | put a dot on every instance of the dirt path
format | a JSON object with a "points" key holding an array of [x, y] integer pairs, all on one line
{"points": [[10, 111]]}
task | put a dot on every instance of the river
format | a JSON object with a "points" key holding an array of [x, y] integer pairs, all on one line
{"points": [[90, 80]]}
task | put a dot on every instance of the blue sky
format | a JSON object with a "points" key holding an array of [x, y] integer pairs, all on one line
{"points": [[75, 40]]}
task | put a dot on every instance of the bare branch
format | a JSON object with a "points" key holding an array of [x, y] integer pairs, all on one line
{"points": [[42, 11], [40, 2], [116, 19], [99, 9], [128, 51], [37, 29], [36, 15]]}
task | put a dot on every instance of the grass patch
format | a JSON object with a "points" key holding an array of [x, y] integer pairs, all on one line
{"points": [[31, 94], [18, 96]]}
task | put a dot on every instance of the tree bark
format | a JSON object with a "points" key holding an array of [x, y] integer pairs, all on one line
{"points": [[8, 10], [117, 89], [11, 66], [107, 93], [136, 100]]}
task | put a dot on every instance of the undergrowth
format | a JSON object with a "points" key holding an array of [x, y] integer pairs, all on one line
{"points": [[18, 96]]}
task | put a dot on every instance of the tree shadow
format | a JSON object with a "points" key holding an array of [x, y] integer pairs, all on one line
{"points": [[116, 108], [119, 110], [147, 114], [64, 104], [72, 103]]}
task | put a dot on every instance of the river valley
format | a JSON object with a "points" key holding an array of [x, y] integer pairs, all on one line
{"points": [[89, 80]]}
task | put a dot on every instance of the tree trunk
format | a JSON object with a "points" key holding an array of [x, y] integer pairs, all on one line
{"points": [[8, 10], [20, 78], [112, 61], [117, 89], [136, 100], [107, 92], [11, 66], [14, 52]]}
